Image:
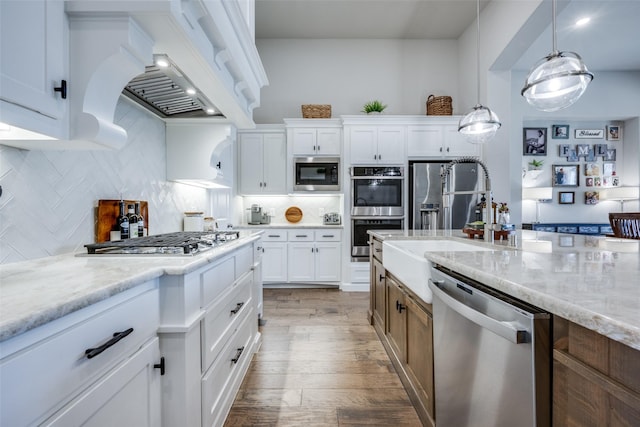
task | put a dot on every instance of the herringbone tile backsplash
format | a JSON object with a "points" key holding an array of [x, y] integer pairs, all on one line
{"points": [[49, 197]]}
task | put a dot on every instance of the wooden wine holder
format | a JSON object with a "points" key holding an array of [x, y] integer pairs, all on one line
{"points": [[107, 214]]}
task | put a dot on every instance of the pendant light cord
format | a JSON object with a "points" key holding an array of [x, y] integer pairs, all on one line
{"points": [[478, 51], [553, 24]]}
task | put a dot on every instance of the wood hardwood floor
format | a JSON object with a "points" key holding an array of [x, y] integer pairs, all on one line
{"points": [[320, 364]]}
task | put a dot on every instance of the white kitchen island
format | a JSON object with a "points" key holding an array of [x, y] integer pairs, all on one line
{"points": [[172, 336]]}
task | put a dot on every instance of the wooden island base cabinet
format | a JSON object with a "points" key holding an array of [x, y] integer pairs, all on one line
{"points": [[596, 380], [405, 326]]}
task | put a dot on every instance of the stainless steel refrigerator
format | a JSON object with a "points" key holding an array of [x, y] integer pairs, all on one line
{"points": [[425, 194]]}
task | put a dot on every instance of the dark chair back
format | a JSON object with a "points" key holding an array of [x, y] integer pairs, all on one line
{"points": [[625, 225]]}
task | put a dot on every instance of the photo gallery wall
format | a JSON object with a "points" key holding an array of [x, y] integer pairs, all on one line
{"points": [[590, 159]]}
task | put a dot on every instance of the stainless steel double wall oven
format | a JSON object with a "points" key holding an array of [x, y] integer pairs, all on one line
{"points": [[377, 203]]}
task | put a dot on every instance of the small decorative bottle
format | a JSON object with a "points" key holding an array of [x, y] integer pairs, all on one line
{"points": [[123, 222], [133, 222]]}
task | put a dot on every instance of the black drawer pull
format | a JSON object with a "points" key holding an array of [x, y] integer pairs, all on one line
{"points": [[274, 235], [238, 307], [327, 235], [301, 235], [160, 366], [238, 354], [117, 336]]}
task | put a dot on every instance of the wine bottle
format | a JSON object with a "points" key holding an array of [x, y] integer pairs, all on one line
{"points": [[133, 223], [123, 222], [140, 220]]}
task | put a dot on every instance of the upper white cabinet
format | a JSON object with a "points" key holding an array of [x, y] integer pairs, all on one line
{"points": [[33, 62], [262, 161], [377, 144], [314, 137], [439, 138], [200, 154]]}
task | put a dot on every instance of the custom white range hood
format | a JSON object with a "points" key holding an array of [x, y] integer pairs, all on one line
{"points": [[111, 42]]}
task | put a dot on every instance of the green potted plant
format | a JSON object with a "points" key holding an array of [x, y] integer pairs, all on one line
{"points": [[536, 164], [373, 107]]}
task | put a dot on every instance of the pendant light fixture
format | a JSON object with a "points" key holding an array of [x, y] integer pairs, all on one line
{"points": [[480, 124], [557, 80]]}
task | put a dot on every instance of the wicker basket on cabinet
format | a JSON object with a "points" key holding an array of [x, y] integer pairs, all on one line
{"points": [[316, 111], [439, 106]]}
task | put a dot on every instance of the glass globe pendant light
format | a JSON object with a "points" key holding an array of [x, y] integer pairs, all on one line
{"points": [[557, 80], [480, 124]]}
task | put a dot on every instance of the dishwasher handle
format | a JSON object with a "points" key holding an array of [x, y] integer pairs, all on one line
{"points": [[504, 329]]}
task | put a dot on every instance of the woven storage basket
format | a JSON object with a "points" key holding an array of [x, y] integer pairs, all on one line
{"points": [[439, 105], [316, 111]]}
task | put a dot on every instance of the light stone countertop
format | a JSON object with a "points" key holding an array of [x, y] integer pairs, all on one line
{"points": [[285, 225], [593, 281], [38, 291]]}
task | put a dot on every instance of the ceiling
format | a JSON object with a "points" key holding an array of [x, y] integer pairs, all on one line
{"points": [[609, 42]]}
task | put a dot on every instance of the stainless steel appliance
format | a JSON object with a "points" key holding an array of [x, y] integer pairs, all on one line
{"points": [[425, 194], [180, 243], [316, 174], [360, 238], [255, 215], [377, 191], [332, 218], [377, 203], [491, 356]]}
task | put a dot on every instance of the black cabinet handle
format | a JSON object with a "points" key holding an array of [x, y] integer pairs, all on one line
{"points": [[62, 89], [401, 307], [117, 336], [238, 354], [380, 277], [160, 366], [219, 165], [238, 307]]}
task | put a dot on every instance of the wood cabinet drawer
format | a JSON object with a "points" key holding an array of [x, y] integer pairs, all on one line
{"points": [[300, 235], [58, 368], [216, 279], [218, 380], [275, 236], [330, 235], [222, 319]]}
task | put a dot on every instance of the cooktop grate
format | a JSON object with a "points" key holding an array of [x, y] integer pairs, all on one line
{"points": [[185, 242]]}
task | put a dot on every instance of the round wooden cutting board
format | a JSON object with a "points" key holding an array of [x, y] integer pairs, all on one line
{"points": [[293, 214]]}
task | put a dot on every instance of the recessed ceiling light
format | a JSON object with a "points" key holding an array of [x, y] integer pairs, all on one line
{"points": [[582, 21], [191, 91], [210, 111], [162, 63]]}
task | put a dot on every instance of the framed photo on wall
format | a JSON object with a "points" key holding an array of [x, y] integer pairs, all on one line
{"points": [[534, 141], [560, 132], [565, 175], [614, 133], [566, 197]]}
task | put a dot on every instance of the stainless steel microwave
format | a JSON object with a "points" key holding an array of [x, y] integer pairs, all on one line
{"points": [[316, 173]]}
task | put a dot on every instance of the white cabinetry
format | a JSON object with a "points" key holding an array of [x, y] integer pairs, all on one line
{"points": [[33, 61], [274, 259], [208, 334], [314, 255], [200, 154], [439, 138], [314, 137], [262, 162], [377, 144], [95, 366]]}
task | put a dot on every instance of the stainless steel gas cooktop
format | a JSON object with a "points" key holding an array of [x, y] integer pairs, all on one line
{"points": [[179, 243]]}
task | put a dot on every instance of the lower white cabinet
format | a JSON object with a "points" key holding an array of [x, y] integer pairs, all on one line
{"points": [[274, 257], [303, 255], [314, 256], [73, 372], [208, 334]]}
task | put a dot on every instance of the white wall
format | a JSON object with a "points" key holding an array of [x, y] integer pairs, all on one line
{"points": [[48, 200], [348, 73]]}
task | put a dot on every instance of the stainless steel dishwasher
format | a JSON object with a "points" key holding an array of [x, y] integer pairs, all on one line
{"points": [[492, 356]]}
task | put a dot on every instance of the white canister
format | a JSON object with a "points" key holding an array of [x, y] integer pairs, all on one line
{"points": [[193, 221]]}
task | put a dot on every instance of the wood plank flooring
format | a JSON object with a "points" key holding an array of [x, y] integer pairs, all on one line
{"points": [[320, 364]]}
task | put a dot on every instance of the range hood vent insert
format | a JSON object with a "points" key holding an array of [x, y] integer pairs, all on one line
{"points": [[163, 90]]}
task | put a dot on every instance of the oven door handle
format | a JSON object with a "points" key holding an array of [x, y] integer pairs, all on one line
{"points": [[353, 217]]}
